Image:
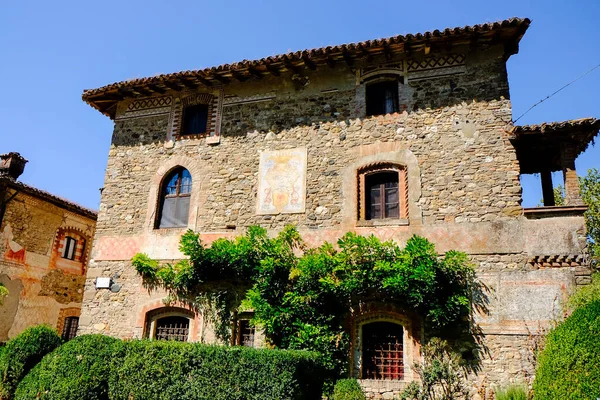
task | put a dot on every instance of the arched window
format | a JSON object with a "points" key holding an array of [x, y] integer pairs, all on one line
{"points": [[382, 351], [174, 203], [383, 193], [169, 323]]}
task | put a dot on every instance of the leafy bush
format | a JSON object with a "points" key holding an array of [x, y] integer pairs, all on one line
{"points": [[568, 365], [147, 370], [512, 392], [441, 375], [348, 389], [586, 294], [302, 300], [22, 353], [77, 370]]}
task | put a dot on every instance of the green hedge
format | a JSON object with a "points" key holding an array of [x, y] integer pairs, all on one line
{"points": [[77, 370], [22, 353], [569, 365], [348, 389], [148, 370]]}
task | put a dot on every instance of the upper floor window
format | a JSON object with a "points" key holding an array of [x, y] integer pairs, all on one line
{"points": [[70, 328], [383, 199], [382, 97], [383, 193], [175, 199], [195, 120], [70, 244]]}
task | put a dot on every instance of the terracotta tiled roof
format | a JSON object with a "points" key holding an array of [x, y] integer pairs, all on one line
{"points": [[508, 31], [49, 197], [575, 125]]}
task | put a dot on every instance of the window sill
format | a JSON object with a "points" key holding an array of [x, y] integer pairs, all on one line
{"points": [[383, 222]]}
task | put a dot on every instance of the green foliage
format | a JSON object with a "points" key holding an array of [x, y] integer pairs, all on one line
{"points": [[512, 392], [22, 353], [590, 193], [441, 375], [302, 301], [77, 370], [568, 366], [348, 389], [3, 293], [586, 294], [148, 370]]}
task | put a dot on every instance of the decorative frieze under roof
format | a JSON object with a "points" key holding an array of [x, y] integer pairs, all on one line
{"points": [[508, 32]]}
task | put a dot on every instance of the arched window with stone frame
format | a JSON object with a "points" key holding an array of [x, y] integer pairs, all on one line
{"points": [[169, 323], [174, 200], [382, 193]]}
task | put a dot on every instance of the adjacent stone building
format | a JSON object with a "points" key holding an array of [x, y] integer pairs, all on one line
{"points": [[399, 136], [45, 243]]}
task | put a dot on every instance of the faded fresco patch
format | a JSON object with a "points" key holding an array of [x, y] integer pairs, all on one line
{"points": [[282, 182]]}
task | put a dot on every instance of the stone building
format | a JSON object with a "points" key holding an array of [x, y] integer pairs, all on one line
{"points": [[393, 137], [45, 243]]}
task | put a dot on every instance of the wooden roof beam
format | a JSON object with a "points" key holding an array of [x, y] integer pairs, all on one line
{"points": [[273, 70], [155, 88], [239, 76], [173, 86], [308, 62], [220, 78], [255, 73], [348, 59]]}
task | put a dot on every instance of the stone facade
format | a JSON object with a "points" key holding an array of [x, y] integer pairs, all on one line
{"points": [[44, 287], [451, 134]]}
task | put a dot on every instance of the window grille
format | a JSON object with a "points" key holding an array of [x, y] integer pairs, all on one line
{"points": [[172, 328], [383, 351], [70, 328]]}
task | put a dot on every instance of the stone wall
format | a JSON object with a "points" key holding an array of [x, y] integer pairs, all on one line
{"points": [[39, 287], [462, 181]]}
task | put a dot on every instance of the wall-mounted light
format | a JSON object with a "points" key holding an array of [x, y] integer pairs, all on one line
{"points": [[103, 283]]}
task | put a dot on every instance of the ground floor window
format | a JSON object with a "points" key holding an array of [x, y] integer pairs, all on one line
{"points": [[70, 328], [172, 328], [169, 323], [244, 333], [382, 351]]}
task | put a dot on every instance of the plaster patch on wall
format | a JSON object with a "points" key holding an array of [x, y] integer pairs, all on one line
{"points": [[64, 288]]}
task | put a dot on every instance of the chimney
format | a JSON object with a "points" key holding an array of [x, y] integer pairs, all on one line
{"points": [[11, 165]]}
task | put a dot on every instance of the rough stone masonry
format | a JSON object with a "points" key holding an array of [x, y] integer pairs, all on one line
{"points": [[450, 133]]}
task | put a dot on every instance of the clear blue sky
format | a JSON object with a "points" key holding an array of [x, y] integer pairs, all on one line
{"points": [[50, 51]]}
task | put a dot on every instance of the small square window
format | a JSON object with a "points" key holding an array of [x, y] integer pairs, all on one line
{"points": [[195, 120], [69, 248], [382, 97]]}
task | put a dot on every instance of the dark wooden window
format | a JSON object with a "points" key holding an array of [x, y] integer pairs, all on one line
{"points": [[195, 120], [175, 200], [382, 351], [69, 249], [382, 195], [244, 334], [382, 97], [70, 328], [172, 328]]}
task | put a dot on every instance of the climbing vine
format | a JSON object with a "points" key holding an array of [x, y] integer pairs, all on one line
{"points": [[302, 297]]}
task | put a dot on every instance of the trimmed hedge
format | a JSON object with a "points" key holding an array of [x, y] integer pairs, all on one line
{"points": [[22, 353], [348, 389], [568, 367], [148, 370], [77, 370]]}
